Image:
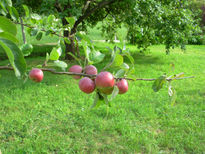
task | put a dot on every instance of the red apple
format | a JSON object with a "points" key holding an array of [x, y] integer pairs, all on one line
{"points": [[122, 86], [87, 85], [91, 70], [104, 82], [36, 75], [76, 69]]}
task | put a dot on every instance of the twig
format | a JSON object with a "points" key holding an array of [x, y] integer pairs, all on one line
{"points": [[93, 76], [43, 30]]}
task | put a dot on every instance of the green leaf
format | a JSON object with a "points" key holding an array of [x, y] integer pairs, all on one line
{"points": [[173, 97], [131, 71], [48, 32], [47, 56], [114, 93], [27, 11], [61, 64], [26, 49], [133, 77], [71, 21], [35, 16], [96, 57], [120, 73], [125, 66], [170, 91], [55, 53], [14, 13], [107, 102], [158, 83], [130, 58], [117, 50], [15, 56], [87, 50], [118, 60], [34, 31], [50, 19], [3, 10], [66, 40], [33, 21], [8, 36], [179, 75], [7, 26], [99, 99], [76, 58], [83, 38], [39, 36], [8, 2], [109, 49]]}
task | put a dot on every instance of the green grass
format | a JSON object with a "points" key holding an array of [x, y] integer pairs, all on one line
{"points": [[54, 116]]}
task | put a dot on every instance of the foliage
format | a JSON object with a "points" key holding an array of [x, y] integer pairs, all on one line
{"points": [[168, 23], [198, 9], [148, 21]]}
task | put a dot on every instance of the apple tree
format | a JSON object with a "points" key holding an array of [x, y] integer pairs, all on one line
{"points": [[111, 80]]}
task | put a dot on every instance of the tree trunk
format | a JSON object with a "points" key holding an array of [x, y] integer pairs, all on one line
{"points": [[69, 48], [22, 30]]}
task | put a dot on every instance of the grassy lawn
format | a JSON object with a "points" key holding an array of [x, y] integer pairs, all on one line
{"points": [[55, 116]]}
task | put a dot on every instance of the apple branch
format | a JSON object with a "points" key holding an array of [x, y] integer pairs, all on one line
{"points": [[87, 3], [93, 76]]}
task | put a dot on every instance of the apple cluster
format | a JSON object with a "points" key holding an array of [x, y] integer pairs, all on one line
{"points": [[104, 81]]}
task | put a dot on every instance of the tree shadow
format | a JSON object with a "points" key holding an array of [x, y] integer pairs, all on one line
{"points": [[140, 58], [143, 59], [41, 49]]}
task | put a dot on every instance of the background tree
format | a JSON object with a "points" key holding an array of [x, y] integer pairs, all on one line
{"points": [[198, 9]]}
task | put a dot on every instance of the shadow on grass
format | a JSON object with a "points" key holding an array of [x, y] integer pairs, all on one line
{"points": [[41, 49], [141, 59]]}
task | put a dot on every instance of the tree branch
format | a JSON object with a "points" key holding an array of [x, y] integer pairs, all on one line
{"points": [[87, 3], [43, 30], [88, 12], [93, 76]]}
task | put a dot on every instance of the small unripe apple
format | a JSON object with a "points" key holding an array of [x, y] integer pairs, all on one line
{"points": [[87, 85], [122, 86], [76, 69], [36, 75], [91, 70], [104, 82]]}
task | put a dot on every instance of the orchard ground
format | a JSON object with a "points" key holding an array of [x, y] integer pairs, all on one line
{"points": [[54, 116]]}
